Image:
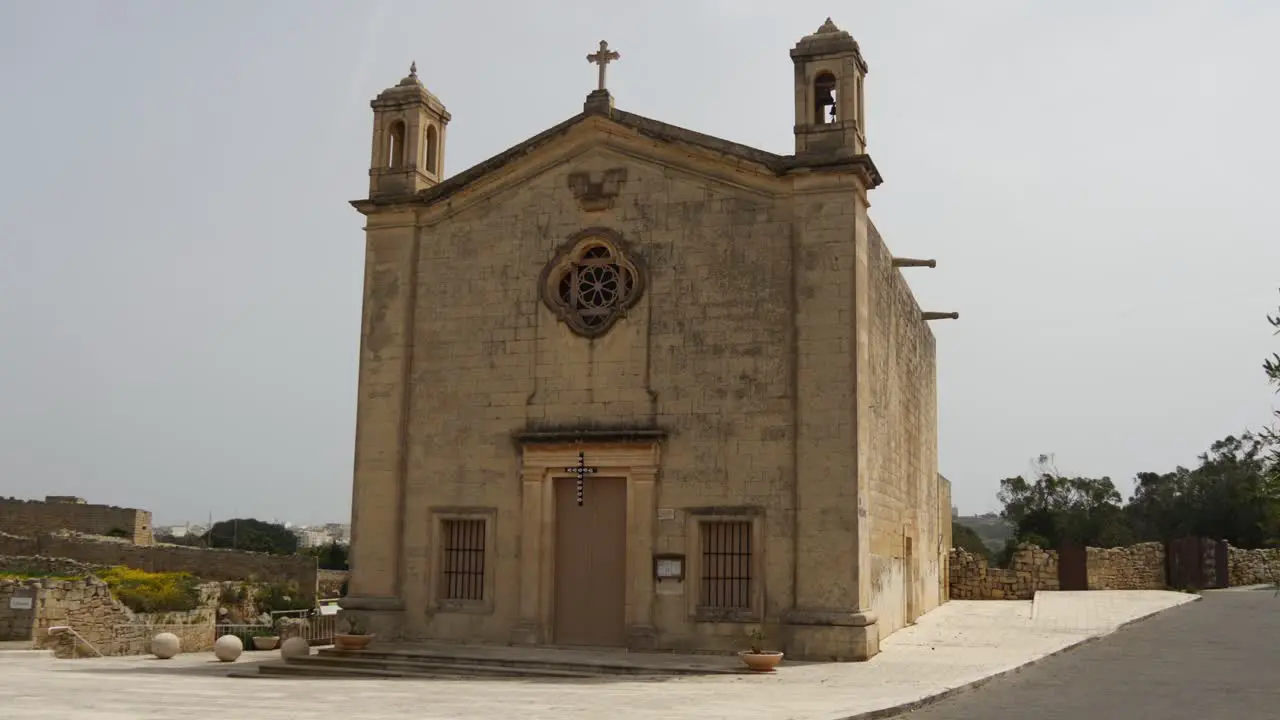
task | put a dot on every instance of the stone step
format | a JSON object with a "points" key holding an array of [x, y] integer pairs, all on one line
{"points": [[319, 666], [605, 664]]}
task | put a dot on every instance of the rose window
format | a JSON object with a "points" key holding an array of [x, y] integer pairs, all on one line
{"points": [[591, 286]]}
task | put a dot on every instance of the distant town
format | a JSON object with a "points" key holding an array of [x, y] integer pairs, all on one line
{"points": [[309, 536]]}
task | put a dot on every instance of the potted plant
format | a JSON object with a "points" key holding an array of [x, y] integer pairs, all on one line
{"points": [[756, 657], [264, 638], [355, 638]]}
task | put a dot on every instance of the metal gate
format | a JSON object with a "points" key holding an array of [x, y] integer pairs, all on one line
{"points": [[1184, 564], [1073, 567]]}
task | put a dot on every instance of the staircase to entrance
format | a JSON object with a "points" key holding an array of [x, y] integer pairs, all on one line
{"points": [[476, 661]]}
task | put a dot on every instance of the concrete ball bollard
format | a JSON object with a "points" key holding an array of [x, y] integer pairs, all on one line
{"points": [[228, 648], [295, 647], [165, 645]]}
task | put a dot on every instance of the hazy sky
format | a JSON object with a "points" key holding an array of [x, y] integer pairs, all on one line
{"points": [[180, 273]]}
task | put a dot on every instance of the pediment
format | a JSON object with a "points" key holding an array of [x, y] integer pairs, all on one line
{"points": [[711, 160]]}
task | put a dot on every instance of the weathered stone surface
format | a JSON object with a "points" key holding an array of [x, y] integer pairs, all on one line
{"points": [[1031, 569], [294, 647], [1137, 567], [166, 645], [228, 648], [1253, 567], [30, 517]]}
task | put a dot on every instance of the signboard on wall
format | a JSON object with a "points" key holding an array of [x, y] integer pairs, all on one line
{"points": [[21, 603]]}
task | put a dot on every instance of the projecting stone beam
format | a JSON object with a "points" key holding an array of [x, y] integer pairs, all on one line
{"points": [[940, 315], [912, 262]]}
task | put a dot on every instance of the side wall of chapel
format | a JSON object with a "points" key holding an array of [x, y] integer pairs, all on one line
{"points": [[910, 506]]}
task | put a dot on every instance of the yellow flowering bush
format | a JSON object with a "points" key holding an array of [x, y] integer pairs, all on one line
{"points": [[148, 592]]}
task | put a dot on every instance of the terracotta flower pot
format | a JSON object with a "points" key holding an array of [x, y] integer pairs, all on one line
{"points": [[764, 661], [265, 642], [351, 642]]}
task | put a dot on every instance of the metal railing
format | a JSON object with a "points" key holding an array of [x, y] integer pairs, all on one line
{"points": [[57, 630]]}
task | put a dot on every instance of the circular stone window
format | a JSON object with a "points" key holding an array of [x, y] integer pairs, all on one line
{"points": [[591, 284]]}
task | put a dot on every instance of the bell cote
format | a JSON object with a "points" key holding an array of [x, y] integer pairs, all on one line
{"points": [[829, 110], [408, 138]]}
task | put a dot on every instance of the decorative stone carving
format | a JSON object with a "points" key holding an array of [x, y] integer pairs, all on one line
{"points": [[591, 282], [597, 195], [165, 645], [295, 647], [227, 648]]}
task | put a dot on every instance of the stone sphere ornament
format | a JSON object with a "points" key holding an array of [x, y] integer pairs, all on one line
{"points": [[165, 646], [228, 648], [295, 647]]}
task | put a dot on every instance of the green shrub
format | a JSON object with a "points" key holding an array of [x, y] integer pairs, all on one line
{"points": [[277, 597], [146, 592]]}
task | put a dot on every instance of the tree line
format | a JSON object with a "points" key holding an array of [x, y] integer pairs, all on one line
{"points": [[1233, 494]]}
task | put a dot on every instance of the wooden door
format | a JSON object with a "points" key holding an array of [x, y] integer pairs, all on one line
{"points": [[591, 562], [909, 580]]}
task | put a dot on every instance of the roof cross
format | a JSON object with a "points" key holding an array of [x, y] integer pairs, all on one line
{"points": [[602, 58]]}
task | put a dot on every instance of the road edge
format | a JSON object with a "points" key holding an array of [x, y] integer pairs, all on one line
{"points": [[896, 710]]}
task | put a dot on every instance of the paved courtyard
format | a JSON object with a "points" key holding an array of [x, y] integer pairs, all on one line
{"points": [[1219, 658], [959, 643]]}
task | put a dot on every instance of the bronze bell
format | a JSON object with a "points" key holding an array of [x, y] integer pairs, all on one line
{"points": [[825, 98]]}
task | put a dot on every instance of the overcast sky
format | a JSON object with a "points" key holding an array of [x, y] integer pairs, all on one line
{"points": [[180, 273]]}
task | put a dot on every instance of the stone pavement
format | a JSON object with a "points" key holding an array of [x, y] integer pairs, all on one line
{"points": [[1218, 658], [958, 644]]}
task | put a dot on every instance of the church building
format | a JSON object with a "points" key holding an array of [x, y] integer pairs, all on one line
{"points": [[629, 385]]}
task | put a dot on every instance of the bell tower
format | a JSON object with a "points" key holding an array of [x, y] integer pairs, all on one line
{"points": [[829, 76], [408, 138]]}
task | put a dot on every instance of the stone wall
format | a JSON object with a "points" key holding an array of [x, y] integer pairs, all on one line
{"points": [[17, 623], [1253, 567], [39, 566], [1137, 567], [212, 565], [330, 582], [86, 606], [28, 518], [1032, 569]]}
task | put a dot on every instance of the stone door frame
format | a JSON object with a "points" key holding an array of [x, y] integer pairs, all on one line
{"points": [[541, 463]]}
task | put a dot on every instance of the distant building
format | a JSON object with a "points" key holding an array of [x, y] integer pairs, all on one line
{"points": [[66, 512]]}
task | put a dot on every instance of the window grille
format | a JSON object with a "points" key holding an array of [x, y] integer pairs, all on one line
{"points": [[463, 566], [726, 565]]}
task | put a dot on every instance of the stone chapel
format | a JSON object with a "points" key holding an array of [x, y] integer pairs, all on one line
{"points": [[629, 385]]}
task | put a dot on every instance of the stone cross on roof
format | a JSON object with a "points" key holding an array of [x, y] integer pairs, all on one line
{"points": [[602, 58]]}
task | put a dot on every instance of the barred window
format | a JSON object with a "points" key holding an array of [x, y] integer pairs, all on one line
{"points": [[726, 564], [463, 563]]}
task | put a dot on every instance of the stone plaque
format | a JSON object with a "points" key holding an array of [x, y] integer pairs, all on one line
{"points": [[666, 513], [20, 603]]}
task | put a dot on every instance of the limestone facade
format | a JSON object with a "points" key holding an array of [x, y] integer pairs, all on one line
{"points": [[719, 333]]}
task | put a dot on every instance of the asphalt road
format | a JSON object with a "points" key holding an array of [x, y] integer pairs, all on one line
{"points": [[1216, 659]]}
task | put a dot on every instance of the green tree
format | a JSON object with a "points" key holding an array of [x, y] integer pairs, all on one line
{"points": [[1053, 509], [1271, 366], [966, 538], [253, 535], [330, 556]]}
